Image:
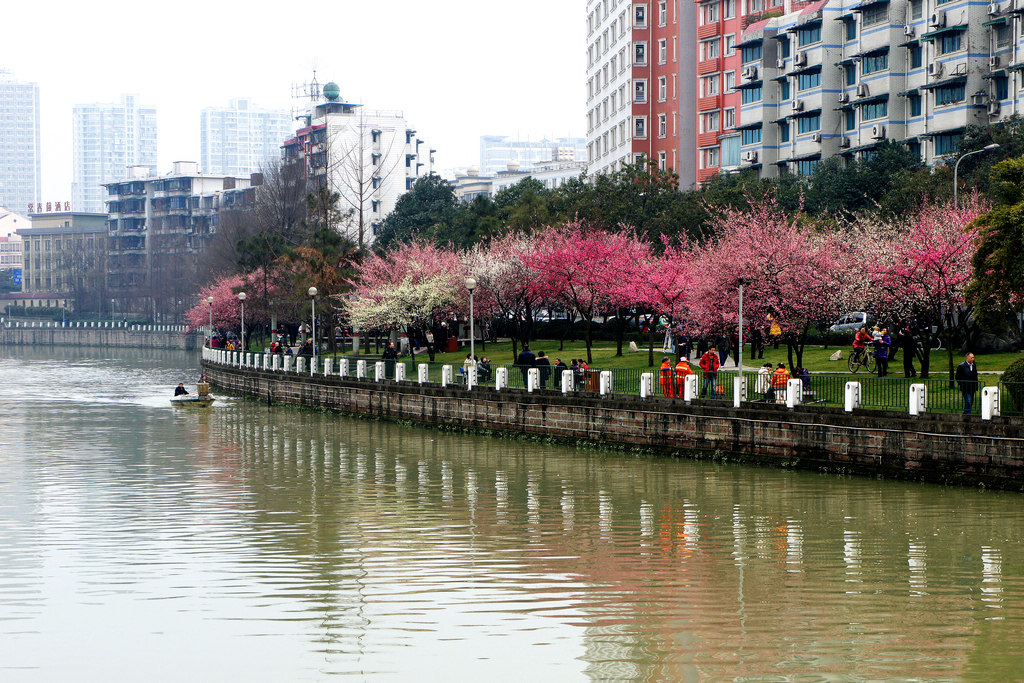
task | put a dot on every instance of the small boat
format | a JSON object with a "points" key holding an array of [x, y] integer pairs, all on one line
{"points": [[201, 398]]}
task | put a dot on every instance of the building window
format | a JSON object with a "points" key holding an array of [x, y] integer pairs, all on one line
{"points": [[916, 58], [708, 48], [728, 119], [750, 95], [662, 89], [730, 81], [709, 12], [851, 29], [750, 136], [874, 110], [916, 9], [851, 74], [784, 90], [662, 13], [728, 9], [784, 132], [709, 122], [639, 16], [710, 85], [807, 36], [807, 167], [877, 14], [663, 50], [783, 47], [915, 105], [640, 54], [808, 124], [730, 45], [1003, 35], [640, 90], [662, 125], [754, 6], [876, 62], [662, 161], [806, 81], [947, 144], [849, 119], [1002, 87], [949, 94], [950, 42], [639, 127], [751, 53], [709, 157]]}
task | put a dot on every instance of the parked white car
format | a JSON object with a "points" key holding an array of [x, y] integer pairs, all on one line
{"points": [[851, 322]]}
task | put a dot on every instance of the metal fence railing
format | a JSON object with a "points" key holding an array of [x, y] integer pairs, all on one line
{"points": [[879, 393]]}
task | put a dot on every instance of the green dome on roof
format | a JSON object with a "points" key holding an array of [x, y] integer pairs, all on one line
{"points": [[331, 91]]}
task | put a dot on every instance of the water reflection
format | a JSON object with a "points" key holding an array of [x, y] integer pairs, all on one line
{"points": [[324, 545]]}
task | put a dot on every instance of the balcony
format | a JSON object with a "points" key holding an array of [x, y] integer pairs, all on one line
{"points": [[709, 66], [709, 103]]}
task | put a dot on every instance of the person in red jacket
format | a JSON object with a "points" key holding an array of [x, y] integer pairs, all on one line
{"points": [[667, 385], [710, 363]]}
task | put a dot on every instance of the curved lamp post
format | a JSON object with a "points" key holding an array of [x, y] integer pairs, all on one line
{"points": [[209, 300], [471, 285], [312, 297], [956, 166], [241, 297]]}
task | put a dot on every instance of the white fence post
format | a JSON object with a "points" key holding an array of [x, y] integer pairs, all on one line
{"points": [[739, 390], [399, 372], [471, 380], [275, 362], [532, 379], [689, 388], [422, 373], [289, 363], [343, 368], [300, 364], [989, 403], [361, 369], [646, 384], [918, 399], [851, 395], [446, 375], [500, 379], [379, 371], [566, 381], [605, 382], [328, 366], [794, 392]]}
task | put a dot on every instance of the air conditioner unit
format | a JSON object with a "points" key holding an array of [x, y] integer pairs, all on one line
{"points": [[993, 61], [800, 59], [750, 156], [937, 19], [908, 31], [877, 132], [798, 105], [749, 73], [816, 137], [862, 90], [993, 8], [993, 108], [935, 69], [780, 63], [844, 97], [844, 143], [979, 99]]}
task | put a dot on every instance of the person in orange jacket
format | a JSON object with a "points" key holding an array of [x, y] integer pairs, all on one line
{"points": [[667, 385], [683, 369], [780, 378]]}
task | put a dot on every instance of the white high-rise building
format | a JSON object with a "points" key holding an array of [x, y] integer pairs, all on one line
{"points": [[20, 174], [498, 151], [108, 140], [239, 139]]}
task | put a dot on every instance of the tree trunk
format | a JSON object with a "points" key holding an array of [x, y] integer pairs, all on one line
{"points": [[620, 330], [587, 338]]}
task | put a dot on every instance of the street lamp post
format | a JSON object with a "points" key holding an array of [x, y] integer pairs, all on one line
{"points": [[739, 356], [312, 297], [241, 298], [471, 285], [956, 167], [209, 300]]}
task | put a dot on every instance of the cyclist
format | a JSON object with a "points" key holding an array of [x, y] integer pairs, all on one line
{"points": [[860, 342]]}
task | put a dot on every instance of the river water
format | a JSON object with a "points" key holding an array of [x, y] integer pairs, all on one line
{"points": [[143, 541]]}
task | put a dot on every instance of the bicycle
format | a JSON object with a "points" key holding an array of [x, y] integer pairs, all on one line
{"points": [[860, 358]]}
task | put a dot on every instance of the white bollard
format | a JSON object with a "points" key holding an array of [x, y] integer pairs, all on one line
{"points": [[918, 399], [689, 388], [361, 369], [794, 392], [500, 379], [739, 390], [532, 379], [343, 368], [314, 364], [851, 401], [446, 375], [379, 371], [989, 403], [399, 372], [300, 364], [275, 363], [605, 382], [422, 373], [328, 366], [646, 384], [566, 381]]}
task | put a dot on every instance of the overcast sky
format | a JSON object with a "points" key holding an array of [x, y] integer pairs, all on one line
{"points": [[459, 69]]}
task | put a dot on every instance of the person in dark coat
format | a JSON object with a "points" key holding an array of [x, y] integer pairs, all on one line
{"points": [[756, 343], [180, 390], [389, 357], [524, 361], [967, 380], [544, 365], [307, 348], [881, 353], [907, 342], [560, 367]]}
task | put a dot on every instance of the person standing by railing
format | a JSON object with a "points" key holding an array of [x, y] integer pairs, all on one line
{"points": [[710, 363], [667, 385], [967, 380], [882, 346]]}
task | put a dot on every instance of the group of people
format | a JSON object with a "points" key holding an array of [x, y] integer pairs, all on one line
{"points": [[684, 345], [884, 348], [223, 341]]}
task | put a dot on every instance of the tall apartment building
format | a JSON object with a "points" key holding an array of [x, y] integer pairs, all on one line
{"points": [[108, 139], [840, 77], [370, 158], [641, 74], [20, 160], [239, 139], [498, 151], [65, 261], [156, 229]]}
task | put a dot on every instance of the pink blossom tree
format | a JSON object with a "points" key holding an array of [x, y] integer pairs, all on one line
{"points": [[584, 269]]}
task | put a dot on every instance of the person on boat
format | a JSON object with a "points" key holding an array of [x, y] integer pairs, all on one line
{"points": [[181, 390]]}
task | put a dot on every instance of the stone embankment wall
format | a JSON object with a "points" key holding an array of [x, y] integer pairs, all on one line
{"points": [[135, 336], [939, 448]]}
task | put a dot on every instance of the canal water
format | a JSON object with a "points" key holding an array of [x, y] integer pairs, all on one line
{"points": [[143, 541]]}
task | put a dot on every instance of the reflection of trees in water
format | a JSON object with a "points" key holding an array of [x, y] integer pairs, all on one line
{"points": [[661, 561]]}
